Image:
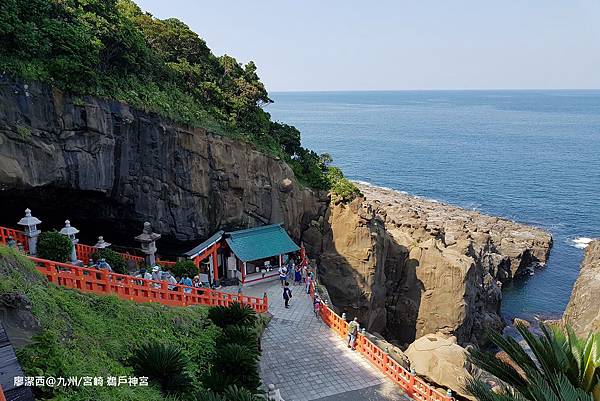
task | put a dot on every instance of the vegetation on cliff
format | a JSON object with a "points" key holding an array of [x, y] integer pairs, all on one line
{"points": [[100, 336], [556, 365], [112, 49]]}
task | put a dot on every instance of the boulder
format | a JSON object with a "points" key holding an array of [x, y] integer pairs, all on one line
{"points": [[438, 359]]}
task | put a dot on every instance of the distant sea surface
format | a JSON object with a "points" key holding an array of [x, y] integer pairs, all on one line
{"points": [[529, 156]]}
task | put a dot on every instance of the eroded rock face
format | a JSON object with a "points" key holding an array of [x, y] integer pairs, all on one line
{"points": [[186, 182], [583, 310], [408, 267], [440, 360]]}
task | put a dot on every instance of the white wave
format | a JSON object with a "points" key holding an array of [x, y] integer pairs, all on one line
{"points": [[581, 242], [368, 184]]}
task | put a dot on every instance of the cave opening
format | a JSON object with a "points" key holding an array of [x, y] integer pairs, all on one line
{"points": [[92, 212]]}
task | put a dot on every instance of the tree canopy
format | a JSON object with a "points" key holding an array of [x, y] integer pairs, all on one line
{"points": [[112, 49]]}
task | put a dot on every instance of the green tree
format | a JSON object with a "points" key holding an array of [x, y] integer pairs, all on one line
{"points": [[184, 267], [112, 49], [562, 367], [55, 246]]}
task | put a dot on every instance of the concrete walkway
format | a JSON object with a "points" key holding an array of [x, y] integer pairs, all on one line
{"points": [[307, 361]]}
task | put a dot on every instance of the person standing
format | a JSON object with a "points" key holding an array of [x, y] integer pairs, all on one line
{"points": [[317, 305], [309, 281], [287, 294], [187, 281], [298, 276], [282, 274], [353, 328]]}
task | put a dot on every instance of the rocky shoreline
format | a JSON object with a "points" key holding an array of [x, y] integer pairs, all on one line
{"points": [[583, 310], [408, 266]]}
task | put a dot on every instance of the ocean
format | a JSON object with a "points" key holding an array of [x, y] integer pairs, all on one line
{"points": [[529, 156]]}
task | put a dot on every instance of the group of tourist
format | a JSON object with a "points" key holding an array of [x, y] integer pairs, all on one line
{"points": [[300, 273], [157, 274]]}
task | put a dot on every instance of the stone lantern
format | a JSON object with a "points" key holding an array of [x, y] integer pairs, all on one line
{"points": [[147, 239], [101, 244], [70, 232], [29, 224]]}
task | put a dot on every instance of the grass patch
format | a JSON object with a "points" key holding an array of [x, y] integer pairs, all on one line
{"points": [[89, 335]]}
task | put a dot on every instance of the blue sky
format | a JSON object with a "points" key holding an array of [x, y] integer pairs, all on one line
{"points": [[394, 45]]}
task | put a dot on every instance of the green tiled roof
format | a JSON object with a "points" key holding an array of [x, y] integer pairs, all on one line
{"points": [[260, 242]]}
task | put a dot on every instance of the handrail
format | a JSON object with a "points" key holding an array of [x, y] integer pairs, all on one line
{"points": [[17, 235], [414, 386], [139, 289]]}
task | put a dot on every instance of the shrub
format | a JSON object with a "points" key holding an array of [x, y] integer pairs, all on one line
{"points": [[234, 314], [52, 245], [184, 267], [114, 259], [234, 364], [342, 188], [163, 363], [231, 393], [241, 335]]}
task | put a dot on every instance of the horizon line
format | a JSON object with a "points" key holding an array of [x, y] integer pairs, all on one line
{"points": [[431, 90]]}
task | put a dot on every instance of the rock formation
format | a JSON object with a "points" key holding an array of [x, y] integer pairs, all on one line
{"points": [[409, 267], [583, 310], [128, 166], [440, 360]]}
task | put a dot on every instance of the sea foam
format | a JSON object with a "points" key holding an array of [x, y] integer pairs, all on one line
{"points": [[581, 242]]}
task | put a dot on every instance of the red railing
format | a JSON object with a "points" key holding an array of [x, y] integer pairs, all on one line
{"points": [[2, 398], [17, 235], [414, 386], [139, 290]]}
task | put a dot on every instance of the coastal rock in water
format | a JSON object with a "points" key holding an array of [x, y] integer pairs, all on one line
{"points": [[408, 267], [104, 160], [440, 360], [583, 310]]}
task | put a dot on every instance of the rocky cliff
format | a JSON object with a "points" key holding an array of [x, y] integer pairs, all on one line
{"points": [[583, 310], [98, 158], [409, 267]]}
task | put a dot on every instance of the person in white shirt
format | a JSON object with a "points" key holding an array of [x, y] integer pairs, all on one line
{"points": [[282, 275]]}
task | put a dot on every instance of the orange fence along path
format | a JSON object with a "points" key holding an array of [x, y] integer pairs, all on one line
{"points": [[414, 386], [138, 289], [129, 287]]}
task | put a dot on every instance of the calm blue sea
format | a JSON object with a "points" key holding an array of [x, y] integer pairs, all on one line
{"points": [[530, 156]]}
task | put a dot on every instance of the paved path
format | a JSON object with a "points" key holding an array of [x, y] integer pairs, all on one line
{"points": [[307, 361]]}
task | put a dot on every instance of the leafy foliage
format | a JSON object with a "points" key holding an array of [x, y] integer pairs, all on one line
{"points": [[114, 259], [231, 393], [184, 267], [342, 189], [163, 363], [234, 364], [55, 246], [562, 367], [112, 49], [235, 361], [241, 335], [97, 335], [235, 314]]}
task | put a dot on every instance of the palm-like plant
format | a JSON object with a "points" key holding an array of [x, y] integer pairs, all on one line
{"points": [[234, 314], [165, 364], [242, 335], [231, 393], [563, 367], [234, 364]]}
